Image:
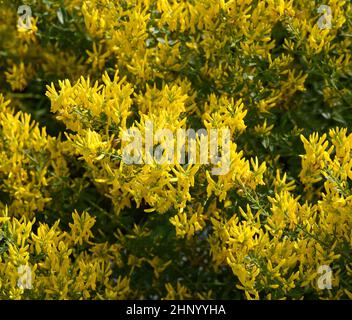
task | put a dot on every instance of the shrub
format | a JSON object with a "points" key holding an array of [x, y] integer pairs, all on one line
{"points": [[88, 225]]}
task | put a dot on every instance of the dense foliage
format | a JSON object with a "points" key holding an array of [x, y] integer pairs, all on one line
{"points": [[90, 226]]}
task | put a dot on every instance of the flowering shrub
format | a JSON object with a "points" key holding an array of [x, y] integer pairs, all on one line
{"points": [[76, 75]]}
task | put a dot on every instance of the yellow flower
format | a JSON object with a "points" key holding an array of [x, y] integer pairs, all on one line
{"points": [[18, 76]]}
